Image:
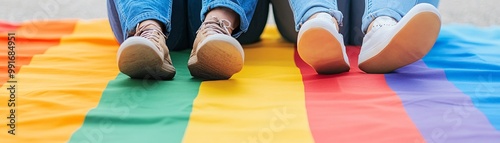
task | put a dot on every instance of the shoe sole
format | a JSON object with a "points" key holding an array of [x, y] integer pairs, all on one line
{"points": [[218, 57], [138, 58], [409, 45], [320, 49]]}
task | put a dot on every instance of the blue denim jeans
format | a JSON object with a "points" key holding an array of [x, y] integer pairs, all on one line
{"points": [[303, 9], [180, 18], [392, 8]]}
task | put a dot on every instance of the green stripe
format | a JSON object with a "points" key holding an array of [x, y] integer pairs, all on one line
{"points": [[142, 110]]}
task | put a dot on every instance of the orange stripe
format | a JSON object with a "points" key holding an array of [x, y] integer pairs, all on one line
{"points": [[32, 38], [57, 89], [355, 107]]}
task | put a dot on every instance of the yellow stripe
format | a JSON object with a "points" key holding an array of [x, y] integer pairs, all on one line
{"points": [[58, 88], [262, 103]]}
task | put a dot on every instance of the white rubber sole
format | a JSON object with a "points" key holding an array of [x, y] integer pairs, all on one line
{"points": [[322, 47], [390, 48]]}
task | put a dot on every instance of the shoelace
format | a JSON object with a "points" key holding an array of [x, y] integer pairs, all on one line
{"points": [[383, 21], [152, 33], [215, 25]]}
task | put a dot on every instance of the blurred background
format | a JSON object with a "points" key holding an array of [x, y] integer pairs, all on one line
{"points": [[476, 12]]}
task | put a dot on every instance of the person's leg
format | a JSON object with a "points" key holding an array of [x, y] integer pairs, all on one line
{"points": [[193, 18], [178, 35], [125, 15], [344, 7], [303, 10], [142, 24], [255, 29], [283, 16], [257, 23], [114, 21], [395, 9], [319, 42], [239, 12], [397, 33], [356, 11], [216, 53]]}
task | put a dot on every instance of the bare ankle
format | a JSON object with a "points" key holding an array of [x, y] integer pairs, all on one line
{"points": [[225, 13]]}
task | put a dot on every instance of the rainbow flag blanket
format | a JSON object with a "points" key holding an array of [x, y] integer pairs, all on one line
{"points": [[60, 83]]}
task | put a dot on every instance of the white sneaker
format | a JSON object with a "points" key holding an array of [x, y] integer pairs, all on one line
{"points": [[388, 46], [321, 45]]}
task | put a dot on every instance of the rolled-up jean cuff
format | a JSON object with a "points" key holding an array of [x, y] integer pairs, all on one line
{"points": [[244, 23], [368, 18], [131, 25], [310, 12]]}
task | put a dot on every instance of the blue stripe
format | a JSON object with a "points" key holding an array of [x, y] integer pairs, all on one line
{"points": [[470, 58], [453, 95]]}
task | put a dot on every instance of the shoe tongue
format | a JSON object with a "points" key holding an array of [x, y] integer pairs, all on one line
{"points": [[215, 25], [148, 29], [383, 21]]}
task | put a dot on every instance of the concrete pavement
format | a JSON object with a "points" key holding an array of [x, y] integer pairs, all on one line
{"points": [[477, 12]]}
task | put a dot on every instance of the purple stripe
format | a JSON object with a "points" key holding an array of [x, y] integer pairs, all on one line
{"points": [[440, 110]]}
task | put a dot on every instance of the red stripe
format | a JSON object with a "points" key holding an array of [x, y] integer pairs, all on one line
{"points": [[8, 27], [354, 107], [26, 45]]}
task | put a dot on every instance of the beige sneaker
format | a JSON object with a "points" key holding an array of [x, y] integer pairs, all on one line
{"points": [[216, 54], [145, 55]]}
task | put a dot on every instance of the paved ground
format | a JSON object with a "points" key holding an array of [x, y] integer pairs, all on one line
{"points": [[478, 12]]}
